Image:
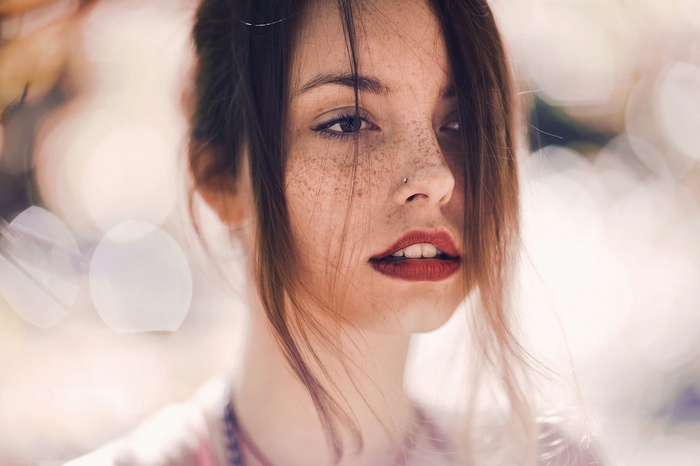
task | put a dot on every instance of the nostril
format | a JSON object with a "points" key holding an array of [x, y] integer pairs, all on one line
{"points": [[416, 196]]}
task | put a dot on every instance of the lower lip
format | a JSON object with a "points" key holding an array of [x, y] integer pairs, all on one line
{"points": [[417, 270]]}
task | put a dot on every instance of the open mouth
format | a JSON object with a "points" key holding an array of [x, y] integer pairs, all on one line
{"points": [[419, 256], [417, 251]]}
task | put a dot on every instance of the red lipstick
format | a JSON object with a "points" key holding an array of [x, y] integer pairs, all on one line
{"points": [[431, 269]]}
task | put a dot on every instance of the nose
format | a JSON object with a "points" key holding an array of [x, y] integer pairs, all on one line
{"points": [[426, 178]]}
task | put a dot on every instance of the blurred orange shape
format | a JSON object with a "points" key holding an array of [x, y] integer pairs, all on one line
{"points": [[36, 60], [13, 7]]}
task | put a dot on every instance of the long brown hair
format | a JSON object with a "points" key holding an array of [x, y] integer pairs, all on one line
{"points": [[244, 50]]}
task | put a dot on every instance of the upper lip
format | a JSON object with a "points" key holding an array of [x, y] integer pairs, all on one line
{"points": [[438, 238]]}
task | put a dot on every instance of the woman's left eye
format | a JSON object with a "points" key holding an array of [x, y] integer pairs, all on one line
{"points": [[451, 126], [344, 126]]}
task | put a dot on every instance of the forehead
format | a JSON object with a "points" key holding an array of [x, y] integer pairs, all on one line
{"points": [[397, 41]]}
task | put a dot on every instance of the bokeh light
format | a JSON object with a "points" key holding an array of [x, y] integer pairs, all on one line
{"points": [[39, 267], [679, 107], [131, 174], [575, 271], [572, 57], [140, 279], [97, 271], [119, 172]]}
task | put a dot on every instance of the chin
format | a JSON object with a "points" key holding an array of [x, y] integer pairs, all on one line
{"points": [[411, 319], [426, 322], [408, 309]]}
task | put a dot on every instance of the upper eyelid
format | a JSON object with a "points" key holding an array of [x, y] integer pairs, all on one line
{"points": [[341, 113]]}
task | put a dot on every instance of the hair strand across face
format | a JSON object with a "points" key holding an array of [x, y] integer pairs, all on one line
{"points": [[244, 54]]}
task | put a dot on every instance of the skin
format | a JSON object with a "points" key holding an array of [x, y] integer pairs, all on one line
{"points": [[345, 210]]}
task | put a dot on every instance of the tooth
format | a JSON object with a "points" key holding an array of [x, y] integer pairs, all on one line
{"points": [[398, 253], [414, 251], [429, 250]]}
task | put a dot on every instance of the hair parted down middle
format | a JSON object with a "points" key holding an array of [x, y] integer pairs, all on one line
{"points": [[244, 49]]}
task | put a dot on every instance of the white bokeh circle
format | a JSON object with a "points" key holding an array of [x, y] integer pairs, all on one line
{"points": [[130, 174], [39, 267], [140, 279], [678, 104]]}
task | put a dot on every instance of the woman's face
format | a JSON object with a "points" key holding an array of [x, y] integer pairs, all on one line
{"points": [[376, 209]]}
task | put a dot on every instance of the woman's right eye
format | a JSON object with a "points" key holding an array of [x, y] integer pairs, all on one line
{"points": [[344, 126]]}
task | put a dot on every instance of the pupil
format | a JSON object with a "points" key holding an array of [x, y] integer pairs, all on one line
{"points": [[351, 125]]}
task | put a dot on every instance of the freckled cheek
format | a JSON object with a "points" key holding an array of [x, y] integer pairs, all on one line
{"points": [[318, 185], [329, 176], [321, 179], [316, 179]]}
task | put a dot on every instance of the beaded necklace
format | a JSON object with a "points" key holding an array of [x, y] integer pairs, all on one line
{"points": [[231, 426]]}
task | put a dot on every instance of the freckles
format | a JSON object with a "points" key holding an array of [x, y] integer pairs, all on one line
{"points": [[382, 165], [424, 143], [320, 189], [307, 184], [378, 182]]}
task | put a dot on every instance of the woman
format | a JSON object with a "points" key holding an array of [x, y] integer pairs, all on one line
{"points": [[364, 154]]}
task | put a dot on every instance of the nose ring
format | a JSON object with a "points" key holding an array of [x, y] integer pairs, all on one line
{"points": [[405, 180]]}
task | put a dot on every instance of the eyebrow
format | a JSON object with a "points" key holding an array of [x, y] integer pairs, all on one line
{"points": [[364, 83]]}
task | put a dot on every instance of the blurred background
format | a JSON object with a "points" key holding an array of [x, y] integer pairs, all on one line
{"points": [[109, 308]]}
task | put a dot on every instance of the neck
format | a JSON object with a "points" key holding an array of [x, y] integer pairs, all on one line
{"points": [[277, 416]]}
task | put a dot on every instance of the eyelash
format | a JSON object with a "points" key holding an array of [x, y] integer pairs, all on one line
{"points": [[323, 128], [324, 131]]}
